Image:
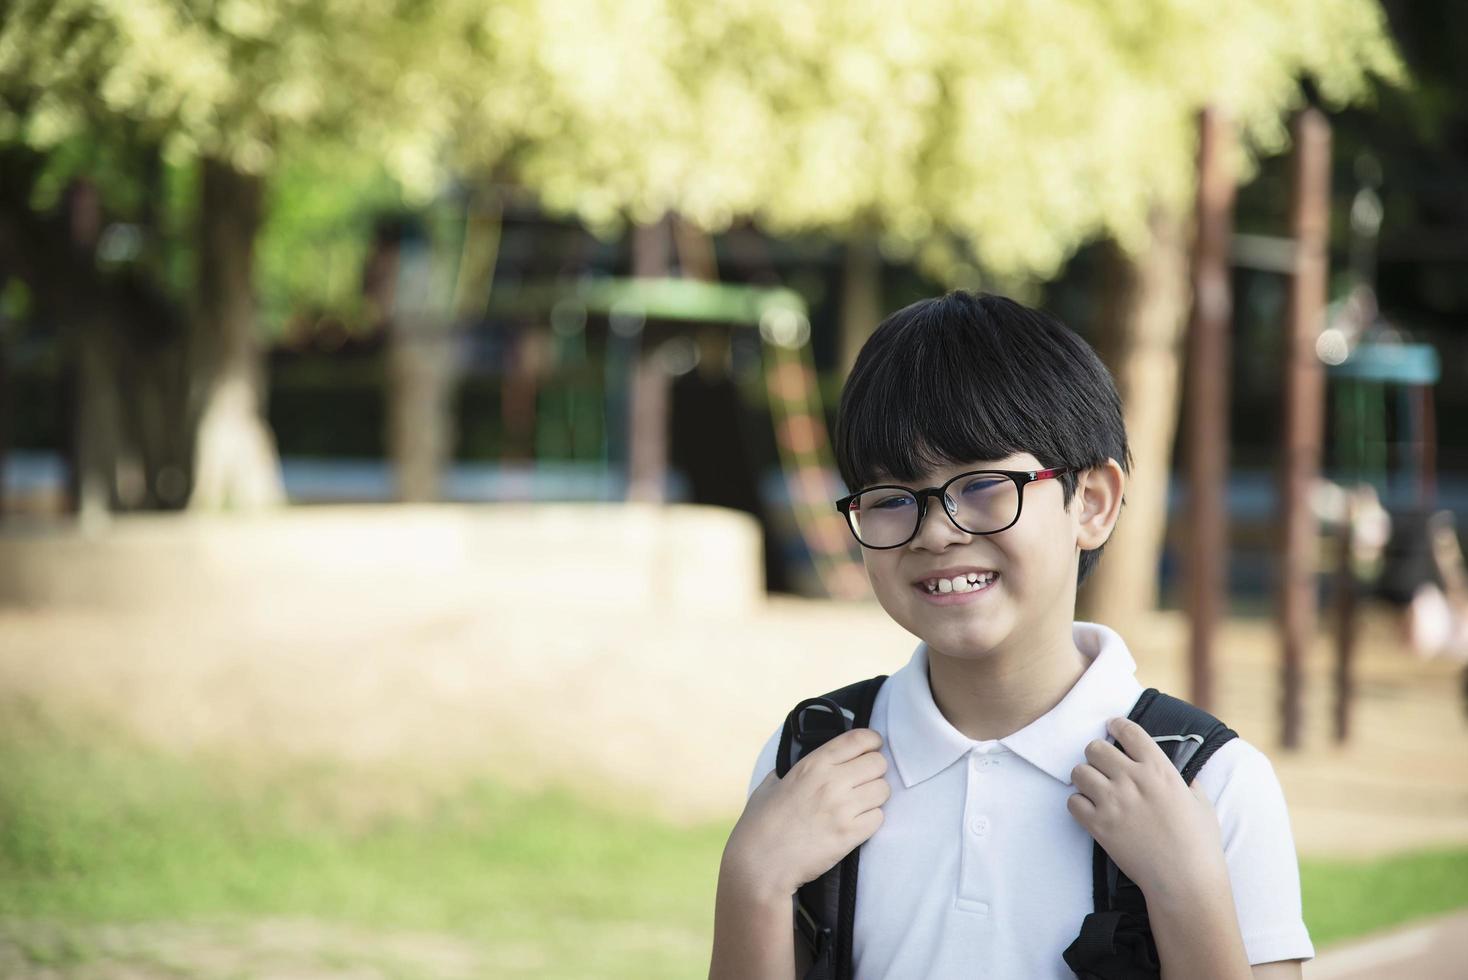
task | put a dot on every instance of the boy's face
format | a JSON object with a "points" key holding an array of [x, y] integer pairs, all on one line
{"points": [[1033, 592]]}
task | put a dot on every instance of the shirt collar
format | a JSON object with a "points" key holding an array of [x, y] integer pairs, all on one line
{"points": [[923, 743]]}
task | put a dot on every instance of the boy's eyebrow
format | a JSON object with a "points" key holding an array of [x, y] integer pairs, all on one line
{"points": [[883, 477]]}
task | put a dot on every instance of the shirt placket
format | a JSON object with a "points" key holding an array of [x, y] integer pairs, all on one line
{"points": [[978, 863]]}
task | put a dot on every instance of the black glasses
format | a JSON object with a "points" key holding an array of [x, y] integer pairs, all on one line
{"points": [[983, 502]]}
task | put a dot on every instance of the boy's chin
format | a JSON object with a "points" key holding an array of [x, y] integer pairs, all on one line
{"points": [[968, 640]]}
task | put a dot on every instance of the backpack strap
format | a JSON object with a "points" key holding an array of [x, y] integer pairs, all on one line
{"points": [[1115, 942], [825, 908]]}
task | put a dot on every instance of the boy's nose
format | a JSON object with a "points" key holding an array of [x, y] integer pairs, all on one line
{"points": [[936, 528]]}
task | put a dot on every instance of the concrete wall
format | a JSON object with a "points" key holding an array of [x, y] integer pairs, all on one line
{"points": [[330, 559]]}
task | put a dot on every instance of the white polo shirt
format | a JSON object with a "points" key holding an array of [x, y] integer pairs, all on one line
{"points": [[978, 869]]}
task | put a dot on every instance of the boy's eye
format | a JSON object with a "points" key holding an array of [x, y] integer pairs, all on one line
{"points": [[891, 502], [981, 485]]}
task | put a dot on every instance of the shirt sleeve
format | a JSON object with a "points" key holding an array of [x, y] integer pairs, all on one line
{"points": [[1259, 849], [765, 762]]}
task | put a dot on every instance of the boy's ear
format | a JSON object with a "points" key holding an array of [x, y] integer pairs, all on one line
{"points": [[1099, 496]]}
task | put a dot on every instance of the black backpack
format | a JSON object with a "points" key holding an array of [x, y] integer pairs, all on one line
{"points": [[1115, 941]]}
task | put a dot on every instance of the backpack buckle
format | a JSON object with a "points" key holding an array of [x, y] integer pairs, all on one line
{"points": [[817, 936]]}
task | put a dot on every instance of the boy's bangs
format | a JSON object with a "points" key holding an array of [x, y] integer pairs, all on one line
{"points": [[943, 383], [882, 445]]}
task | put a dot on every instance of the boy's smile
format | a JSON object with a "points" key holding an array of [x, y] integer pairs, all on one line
{"points": [[972, 596], [954, 586]]}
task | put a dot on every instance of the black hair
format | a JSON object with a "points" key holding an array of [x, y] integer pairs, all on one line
{"points": [[970, 376]]}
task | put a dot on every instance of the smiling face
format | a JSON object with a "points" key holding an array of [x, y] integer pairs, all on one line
{"points": [[1014, 585]]}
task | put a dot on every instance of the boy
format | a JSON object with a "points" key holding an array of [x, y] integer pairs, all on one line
{"points": [[986, 773]]}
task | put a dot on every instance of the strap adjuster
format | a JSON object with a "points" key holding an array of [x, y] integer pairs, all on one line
{"points": [[816, 936]]}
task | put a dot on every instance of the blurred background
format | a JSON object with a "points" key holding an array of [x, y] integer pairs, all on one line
{"points": [[415, 476]]}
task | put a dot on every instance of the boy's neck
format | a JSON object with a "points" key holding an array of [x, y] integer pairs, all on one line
{"points": [[998, 694]]}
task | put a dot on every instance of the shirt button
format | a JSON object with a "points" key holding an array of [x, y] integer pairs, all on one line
{"points": [[979, 826]]}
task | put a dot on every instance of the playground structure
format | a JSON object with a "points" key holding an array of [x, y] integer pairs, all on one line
{"points": [[1345, 365], [646, 332]]}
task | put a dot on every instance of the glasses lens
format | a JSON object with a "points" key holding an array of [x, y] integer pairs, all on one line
{"points": [[984, 502], [884, 516]]}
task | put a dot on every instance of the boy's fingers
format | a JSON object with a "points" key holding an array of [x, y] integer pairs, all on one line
{"points": [[870, 795], [1106, 758], [1135, 740], [849, 745], [1082, 809], [863, 769], [1089, 781]]}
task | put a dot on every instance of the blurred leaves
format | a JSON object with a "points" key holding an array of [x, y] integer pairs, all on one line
{"points": [[317, 232], [238, 80], [997, 135], [994, 136]]}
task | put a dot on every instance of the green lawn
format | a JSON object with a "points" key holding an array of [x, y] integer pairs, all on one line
{"points": [[93, 830]]}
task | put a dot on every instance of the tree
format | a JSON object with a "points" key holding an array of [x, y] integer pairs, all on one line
{"points": [[984, 141], [232, 87]]}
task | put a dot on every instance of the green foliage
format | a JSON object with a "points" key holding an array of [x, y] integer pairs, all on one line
{"points": [[317, 232], [237, 80], [1000, 135], [991, 136]]}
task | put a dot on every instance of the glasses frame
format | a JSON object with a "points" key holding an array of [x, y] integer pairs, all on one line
{"points": [[1021, 478]]}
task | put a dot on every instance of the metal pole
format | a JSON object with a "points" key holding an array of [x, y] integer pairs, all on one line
{"points": [[1207, 399], [1304, 390]]}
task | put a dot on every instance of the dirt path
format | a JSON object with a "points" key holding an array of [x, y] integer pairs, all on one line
{"points": [[614, 703], [1433, 950], [278, 949]]}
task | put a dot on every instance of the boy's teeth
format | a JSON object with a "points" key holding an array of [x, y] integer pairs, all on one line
{"points": [[967, 582]]}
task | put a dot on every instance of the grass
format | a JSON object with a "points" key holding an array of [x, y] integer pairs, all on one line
{"points": [[95, 830], [1349, 898]]}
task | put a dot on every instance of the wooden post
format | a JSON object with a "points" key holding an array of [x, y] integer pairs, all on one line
{"points": [[1207, 399], [861, 296], [1427, 457], [4, 411], [1345, 640], [647, 466], [1304, 391], [647, 439]]}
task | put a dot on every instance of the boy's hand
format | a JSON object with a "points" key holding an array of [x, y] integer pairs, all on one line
{"points": [[795, 829], [1161, 833]]}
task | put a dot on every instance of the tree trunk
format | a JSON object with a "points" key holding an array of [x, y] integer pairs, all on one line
{"points": [[98, 436], [4, 406], [96, 439], [1142, 329], [235, 461], [424, 327], [861, 298], [419, 359]]}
